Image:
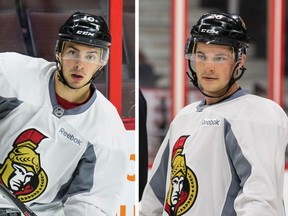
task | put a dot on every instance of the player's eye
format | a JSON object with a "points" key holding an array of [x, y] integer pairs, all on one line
{"points": [[220, 58], [200, 57], [91, 57], [73, 53]]}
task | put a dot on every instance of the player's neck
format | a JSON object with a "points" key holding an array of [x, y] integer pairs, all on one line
{"points": [[232, 90], [72, 95]]}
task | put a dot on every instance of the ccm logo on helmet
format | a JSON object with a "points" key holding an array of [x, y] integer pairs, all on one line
{"points": [[210, 31], [85, 33]]}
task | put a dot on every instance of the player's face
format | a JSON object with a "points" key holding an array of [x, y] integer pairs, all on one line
{"points": [[79, 63], [214, 65]]}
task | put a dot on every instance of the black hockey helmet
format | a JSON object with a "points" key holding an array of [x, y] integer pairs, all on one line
{"points": [[86, 29], [219, 28]]}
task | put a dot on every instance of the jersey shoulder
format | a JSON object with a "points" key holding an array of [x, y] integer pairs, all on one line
{"points": [[22, 75], [254, 108]]}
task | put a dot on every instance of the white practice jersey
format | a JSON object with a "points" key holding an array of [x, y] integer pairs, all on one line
{"points": [[225, 159], [57, 161]]}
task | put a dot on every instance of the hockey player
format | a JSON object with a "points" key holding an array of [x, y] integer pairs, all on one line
{"points": [[225, 154], [62, 142]]}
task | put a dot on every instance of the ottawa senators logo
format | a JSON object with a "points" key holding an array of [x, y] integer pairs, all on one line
{"points": [[21, 171], [183, 183]]}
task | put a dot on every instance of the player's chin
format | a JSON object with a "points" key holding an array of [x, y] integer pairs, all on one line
{"points": [[77, 85]]}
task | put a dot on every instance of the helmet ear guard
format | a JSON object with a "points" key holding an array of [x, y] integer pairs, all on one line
{"points": [[189, 47], [104, 56]]}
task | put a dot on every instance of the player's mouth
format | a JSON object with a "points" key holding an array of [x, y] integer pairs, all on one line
{"points": [[207, 78], [77, 77]]}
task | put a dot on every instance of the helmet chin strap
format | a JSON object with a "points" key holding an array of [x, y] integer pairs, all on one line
{"points": [[194, 80], [61, 76]]}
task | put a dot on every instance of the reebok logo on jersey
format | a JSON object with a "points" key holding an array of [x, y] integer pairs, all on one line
{"points": [[211, 122], [69, 136]]}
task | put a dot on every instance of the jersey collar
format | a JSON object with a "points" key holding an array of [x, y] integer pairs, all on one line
{"points": [[59, 111]]}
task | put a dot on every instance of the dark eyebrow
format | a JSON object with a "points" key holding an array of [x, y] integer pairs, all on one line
{"points": [[92, 51], [216, 54], [71, 46], [222, 54]]}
